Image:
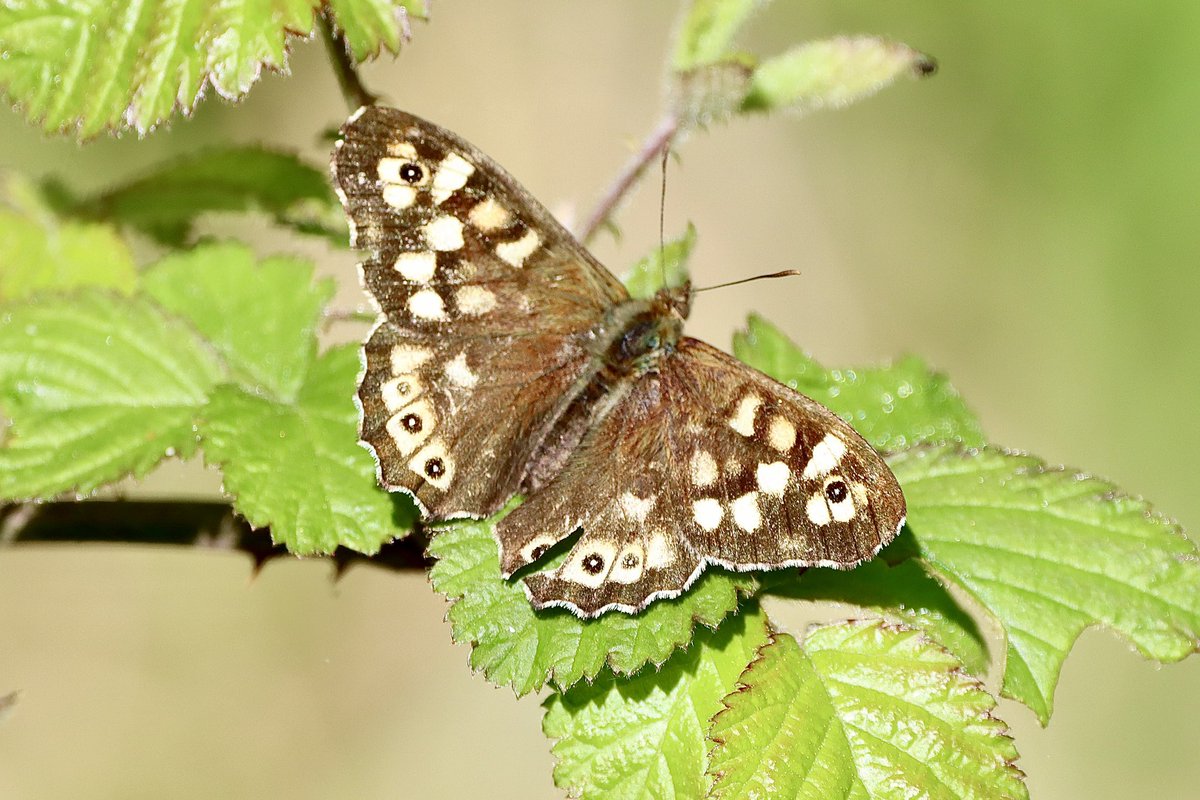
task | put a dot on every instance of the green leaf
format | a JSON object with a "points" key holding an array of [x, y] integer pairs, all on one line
{"points": [[371, 25], [864, 710], [262, 319], [1049, 553], [97, 386], [92, 66], [645, 737], [515, 645], [904, 592], [666, 266], [892, 407], [297, 467], [708, 31], [38, 252], [165, 203], [834, 72]]}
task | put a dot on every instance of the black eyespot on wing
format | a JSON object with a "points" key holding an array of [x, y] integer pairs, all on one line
{"points": [[593, 563], [836, 491], [435, 468], [411, 173], [411, 423], [537, 552], [629, 561]]}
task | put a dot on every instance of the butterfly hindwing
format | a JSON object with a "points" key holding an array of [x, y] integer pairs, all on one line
{"points": [[486, 304], [706, 461]]}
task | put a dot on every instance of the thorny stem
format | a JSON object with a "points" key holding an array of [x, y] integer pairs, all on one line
{"points": [[654, 145], [199, 524], [356, 94]]}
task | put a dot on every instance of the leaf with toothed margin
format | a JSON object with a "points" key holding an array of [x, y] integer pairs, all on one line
{"points": [[88, 67], [1049, 553], [517, 646], [296, 466], [645, 736], [903, 592], [892, 407], [98, 386], [863, 710], [219, 288]]}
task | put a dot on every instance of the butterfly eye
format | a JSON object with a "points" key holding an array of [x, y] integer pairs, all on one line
{"points": [[653, 341], [411, 173]]}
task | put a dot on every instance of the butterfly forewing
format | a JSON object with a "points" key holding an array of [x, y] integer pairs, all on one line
{"points": [[705, 462], [486, 301]]}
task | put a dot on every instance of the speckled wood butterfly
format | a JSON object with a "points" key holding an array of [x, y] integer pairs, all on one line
{"points": [[507, 360]]}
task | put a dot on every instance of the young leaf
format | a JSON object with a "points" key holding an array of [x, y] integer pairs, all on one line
{"points": [[664, 267], [708, 30], [515, 645], [296, 466], [165, 203], [863, 710], [834, 72], [645, 737], [38, 252], [97, 386], [92, 66], [903, 592], [371, 25], [1049, 553], [262, 319], [892, 407]]}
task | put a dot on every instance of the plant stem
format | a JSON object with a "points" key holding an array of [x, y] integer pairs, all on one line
{"points": [[356, 94], [658, 140], [200, 524]]}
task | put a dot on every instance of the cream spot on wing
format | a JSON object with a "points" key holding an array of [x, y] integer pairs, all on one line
{"points": [[416, 267], [434, 464], [488, 215], [704, 468], [781, 434], [451, 175], [537, 548], [817, 509], [629, 564], [825, 457], [742, 420], [659, 553], [459, 373], [427, 304], [404, 151], [411, 426], [399, 195], [400, 391], [734, 467], [745, 512], [515, 253], [708, 513], [444, 233], [843, 510], [637, 508], [406, 358], [860, 493], [590, 566], [773, 478], [474, 300]]}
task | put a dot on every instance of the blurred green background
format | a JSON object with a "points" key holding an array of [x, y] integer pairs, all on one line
{"points": [[1028, 220]]}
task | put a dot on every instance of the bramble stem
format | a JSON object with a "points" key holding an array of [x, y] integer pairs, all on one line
{"points": [[353, 89], [658, 141], [200, 524]]}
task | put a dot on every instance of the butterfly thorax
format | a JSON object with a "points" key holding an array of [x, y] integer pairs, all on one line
{"points": [[632, 340]]}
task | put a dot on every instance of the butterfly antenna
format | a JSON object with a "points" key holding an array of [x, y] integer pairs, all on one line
{"points": [[662, 217], [787, 273]]}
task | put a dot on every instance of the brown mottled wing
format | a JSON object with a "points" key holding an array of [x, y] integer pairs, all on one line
{"points": [[705, 462], [486, 302]]}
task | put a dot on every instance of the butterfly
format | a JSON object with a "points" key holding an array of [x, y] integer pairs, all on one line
{"points": [[506, 360]]}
